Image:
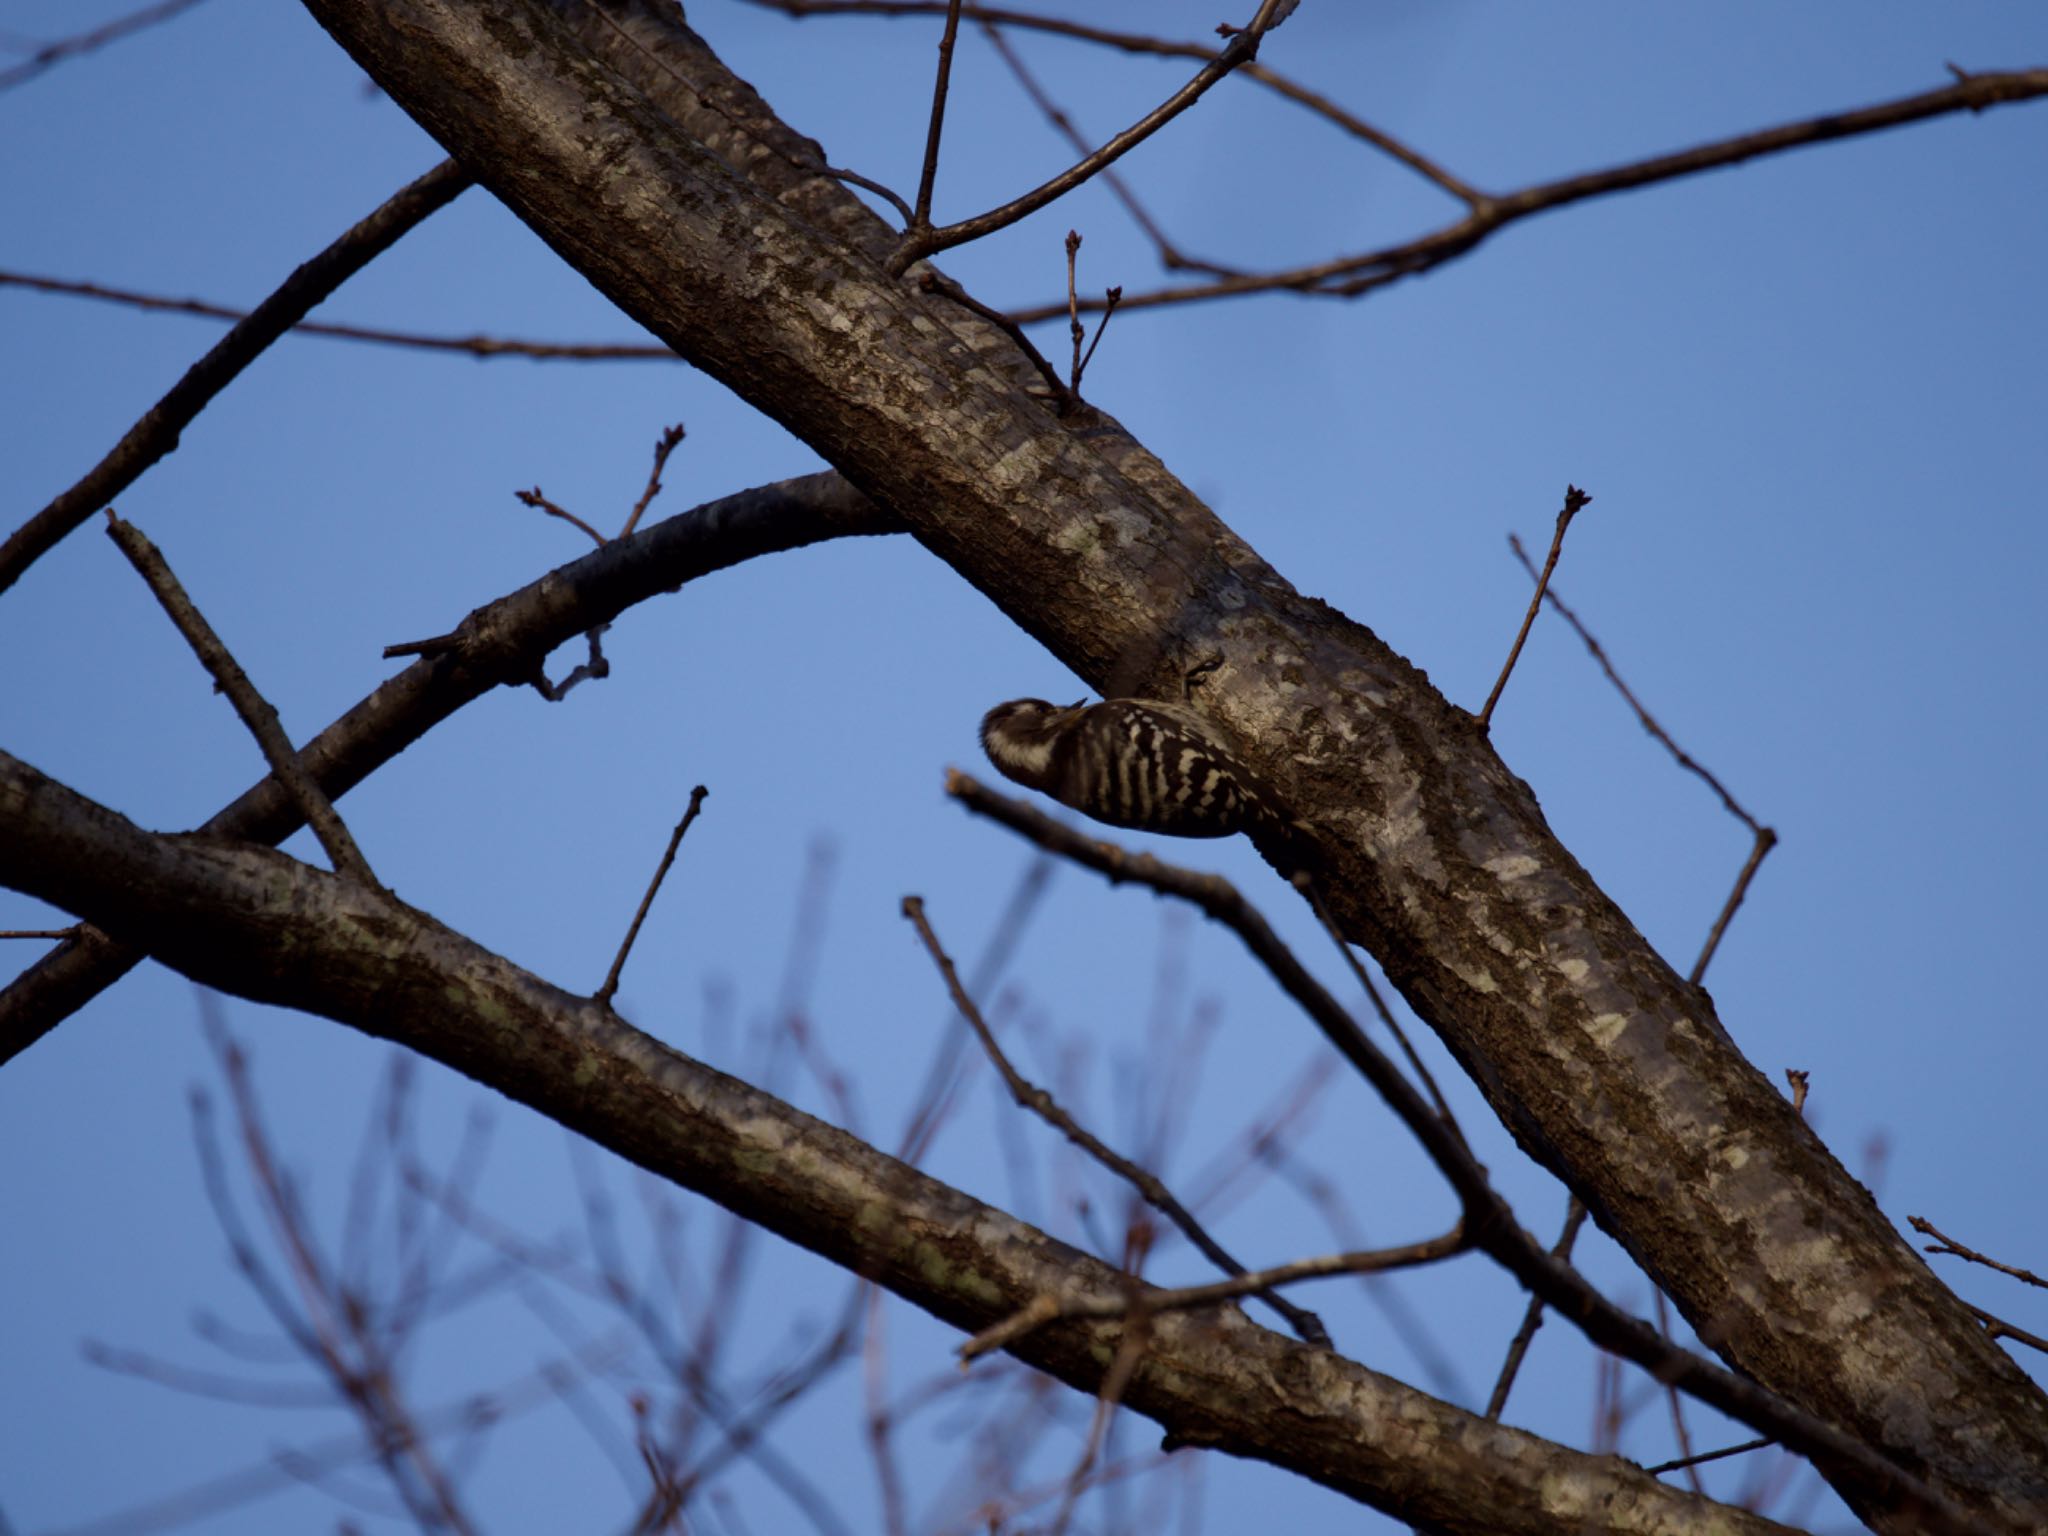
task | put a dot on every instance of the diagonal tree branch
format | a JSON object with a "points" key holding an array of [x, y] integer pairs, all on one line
{"points": [[1349, 276], [156, 434], [1029, 1095], [1242, 48], [256, 923], [258, 714], [468, 346], [996, 17], [502, 643], [51, 54], [1607, 1065]]}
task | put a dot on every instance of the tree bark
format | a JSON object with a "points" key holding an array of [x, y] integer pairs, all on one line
{"points": [[613, 133], [256, 923]]}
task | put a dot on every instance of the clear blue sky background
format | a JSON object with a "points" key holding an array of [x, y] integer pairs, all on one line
{"points": [[1806, 394]]}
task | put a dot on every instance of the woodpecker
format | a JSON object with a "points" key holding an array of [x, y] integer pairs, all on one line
{"points": [[1135, 763]]}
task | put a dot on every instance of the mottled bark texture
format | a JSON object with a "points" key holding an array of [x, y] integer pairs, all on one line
{"points": [[618, 138], [254, 922]]}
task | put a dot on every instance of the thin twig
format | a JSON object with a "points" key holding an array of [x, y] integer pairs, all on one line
{"points": [[877, 1424], [156, 434], [1041, 1103], [1801, 1083], [1648, 720], [945, 287], [478, 346], [53, 53], [1130, 1350], [1677, 1401], [663, 447], [921, 214], [605, 993], [1075, 332], [1110, 299], [593, 667], [1170, 256], [536, 499], [1046, 1309], [892, 198], [1706, 1456], [1999, 1328], [36, 933], [1943, 1243], [993, 18], [1574, 499], [255, 710], [1532, 1316], [1766, 840], [1239, 50], [1386, 1014]]}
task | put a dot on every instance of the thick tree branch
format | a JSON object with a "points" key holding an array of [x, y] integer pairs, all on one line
{"points": [[256, 923], [738, 250]]}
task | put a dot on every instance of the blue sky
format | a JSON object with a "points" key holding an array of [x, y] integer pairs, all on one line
{"points": [[1805, 394]]}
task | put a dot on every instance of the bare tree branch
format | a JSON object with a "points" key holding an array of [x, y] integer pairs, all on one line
{"points": [[1943, 1243], [1532, 1315], [1041, 1103], [51, 54], [1170, 255], [1241, 49], [485, 347], [257, 712], [255, 923], [1574, 501], [1350, 276], [995, 17], [610, 986], [1047, 1309], [502, 643], [156, 434]]}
